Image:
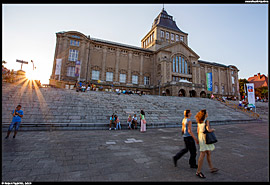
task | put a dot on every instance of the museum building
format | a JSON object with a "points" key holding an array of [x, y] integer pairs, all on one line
{"points": [[163, 63]]}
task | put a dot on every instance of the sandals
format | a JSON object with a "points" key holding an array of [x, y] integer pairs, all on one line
{"points": [[213, 170], [201, 175]]}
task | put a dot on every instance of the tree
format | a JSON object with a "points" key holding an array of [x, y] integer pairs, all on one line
{"points": [[241, 86], [261, 92]]}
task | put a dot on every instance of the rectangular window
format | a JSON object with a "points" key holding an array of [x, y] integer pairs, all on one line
{"points": [[222, 89], [146, 80], [172, 36], [233, 90], [95, 75], [176, 65], [74, 43], [177, 38], [181, 38], [173, 67], [153, 36], [109, 76], [71, 71], [167, 35], [162, 33], [180, 66], [134, 79], [173, 78], [183, 65], [122, 78], [73, 55], [232, 80], [216, 89]]}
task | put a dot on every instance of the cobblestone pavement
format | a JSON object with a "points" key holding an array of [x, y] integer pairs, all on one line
{"points": [[241, 154]]}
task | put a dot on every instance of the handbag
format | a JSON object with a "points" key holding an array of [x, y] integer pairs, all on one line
{"points": [[210, 137]]}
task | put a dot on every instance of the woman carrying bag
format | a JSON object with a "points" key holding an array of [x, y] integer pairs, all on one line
{"points": [[204, 148]]}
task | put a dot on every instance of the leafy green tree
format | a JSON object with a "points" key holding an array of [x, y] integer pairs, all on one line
{"points": [[241, 86]]}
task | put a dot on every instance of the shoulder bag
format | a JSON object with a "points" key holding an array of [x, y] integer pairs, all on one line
{"points": [[210, 137]]}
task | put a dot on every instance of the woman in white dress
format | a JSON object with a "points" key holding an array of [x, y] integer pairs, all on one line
{"points": [[204, 148]]}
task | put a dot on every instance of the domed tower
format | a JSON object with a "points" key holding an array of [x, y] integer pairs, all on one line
{"points": [[164, 31]]}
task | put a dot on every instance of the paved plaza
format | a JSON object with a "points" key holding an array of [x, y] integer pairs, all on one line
{"points": [[241, 154]]}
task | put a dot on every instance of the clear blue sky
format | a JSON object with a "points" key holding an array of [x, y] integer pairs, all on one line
{"points": [[227, 34]]}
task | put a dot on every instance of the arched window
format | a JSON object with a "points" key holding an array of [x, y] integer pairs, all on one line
{"points": [[173, 69], [176, 65], [180, 65], [185, 66]]}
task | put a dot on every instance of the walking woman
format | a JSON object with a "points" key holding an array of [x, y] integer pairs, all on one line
{"points": [[189, 138], [143, 121], [204, 148]]}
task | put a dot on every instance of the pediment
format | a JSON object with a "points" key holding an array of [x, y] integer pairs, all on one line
{"points": [[180, 47]]}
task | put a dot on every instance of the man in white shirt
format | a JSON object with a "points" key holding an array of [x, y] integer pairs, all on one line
{"points": [[134, 121]]}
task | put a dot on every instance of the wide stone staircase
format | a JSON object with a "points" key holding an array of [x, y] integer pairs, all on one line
{"points": [[53, 108]]}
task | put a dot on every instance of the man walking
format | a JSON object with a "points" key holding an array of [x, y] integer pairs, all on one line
{"points": [[16, 121]]}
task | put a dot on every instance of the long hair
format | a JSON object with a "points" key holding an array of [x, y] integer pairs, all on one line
{"points": [[200, 116], [186, 112], [142, 112]]}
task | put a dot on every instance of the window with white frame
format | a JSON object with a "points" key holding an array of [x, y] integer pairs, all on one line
{"points": [[71, 71], [232, 80], [122, 78], [177, 38], [134, 79], [181, 38], [109, 76], [74, 43], [146, 80], [216, 89], [73, 55], [172, 36], [162, 33], [95, 75], [167, 35], [233, 90]]}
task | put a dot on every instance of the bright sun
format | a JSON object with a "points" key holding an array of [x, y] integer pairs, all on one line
{"points": [[30, 75]]}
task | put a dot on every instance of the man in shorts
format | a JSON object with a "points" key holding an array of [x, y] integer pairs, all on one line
{"points": [[16, 121]]}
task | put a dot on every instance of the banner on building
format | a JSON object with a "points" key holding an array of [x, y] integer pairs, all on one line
{"points": [[251, 94], [58, 66], [77, 68], [209, 81]]}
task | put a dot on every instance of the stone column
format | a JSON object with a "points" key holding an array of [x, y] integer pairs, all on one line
{"points": [[237, 86], [228, 82], [194, 74], [219, 83], [117, 60], [199, 71], [103, 65], [88, 63], [129, 67], [163, 71], [141, 70], [82, 59], [64, 56]]}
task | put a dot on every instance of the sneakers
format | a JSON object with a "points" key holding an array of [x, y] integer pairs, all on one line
{"points": [[110, 128]]}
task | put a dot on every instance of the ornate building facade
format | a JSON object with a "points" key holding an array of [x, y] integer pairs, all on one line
{"points": [[163, 63]]}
